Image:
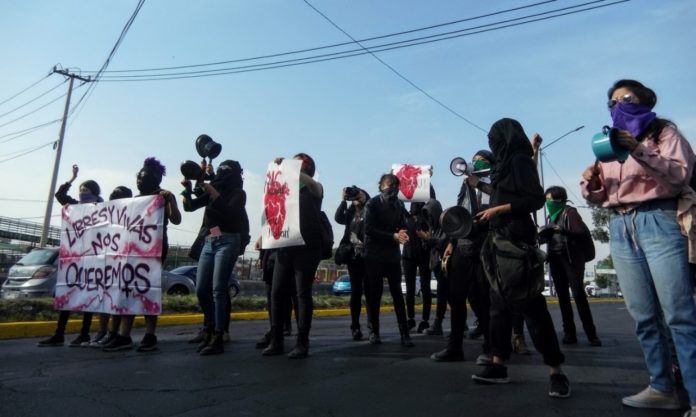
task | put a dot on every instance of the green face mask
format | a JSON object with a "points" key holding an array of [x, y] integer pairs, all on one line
{"points": [[554, 208], [481, 165]]}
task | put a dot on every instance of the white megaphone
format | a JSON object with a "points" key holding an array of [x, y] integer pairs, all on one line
{"points": [[460, 167]]}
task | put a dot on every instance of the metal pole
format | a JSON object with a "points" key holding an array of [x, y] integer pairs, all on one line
{"points": [[56, 165], [543, 186]]}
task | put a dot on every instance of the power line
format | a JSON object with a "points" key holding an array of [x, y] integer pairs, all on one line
{"points": [[22, 200], [25, 89], [26, 131], [393, 70], [354, 52], [331, 46], [28, 151], [559, 178], [34, 111], [83, 99], [32, 100]]}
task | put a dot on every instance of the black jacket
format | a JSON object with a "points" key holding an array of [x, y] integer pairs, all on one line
{"points": [[382, 220]]}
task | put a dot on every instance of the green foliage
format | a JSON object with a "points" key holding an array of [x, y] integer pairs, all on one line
{"points": [[37, 309], [600, 220], [602, 280]]}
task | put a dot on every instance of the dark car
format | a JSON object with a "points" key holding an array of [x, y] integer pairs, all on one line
{"points": [[342, 285], [191, 270]]}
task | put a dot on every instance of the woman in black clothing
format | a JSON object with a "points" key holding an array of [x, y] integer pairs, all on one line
{"points": [[385, 230], [298, 264], [415, 261], [568, 250], [227, 225], [353, 218], [516, 193], [89, 193]]}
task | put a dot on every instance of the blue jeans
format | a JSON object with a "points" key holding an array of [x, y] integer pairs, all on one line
{"points": [[650, 257], [218, 257]]}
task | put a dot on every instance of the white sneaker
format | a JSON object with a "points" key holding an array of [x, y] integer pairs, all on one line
{"points": [[652, 398]]}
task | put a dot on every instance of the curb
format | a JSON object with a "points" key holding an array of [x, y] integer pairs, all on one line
{"points": [[24, 329]]}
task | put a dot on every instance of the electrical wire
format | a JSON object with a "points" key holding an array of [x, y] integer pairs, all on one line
{"points": [[28, 151], [25, 89], [350, 53], [34, 111], [32, 100], [22, 200], [299, 51], [26, 131], [559, 178], [393, 70]]}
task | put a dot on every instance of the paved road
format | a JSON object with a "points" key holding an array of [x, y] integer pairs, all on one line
{"points": [[340, 378]]}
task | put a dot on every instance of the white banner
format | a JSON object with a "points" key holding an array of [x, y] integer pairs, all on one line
{"points": [[110, 257], [281, 205], [414, 182]]}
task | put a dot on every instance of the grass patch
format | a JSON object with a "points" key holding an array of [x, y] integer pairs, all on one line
{"points": [[41, 309]]}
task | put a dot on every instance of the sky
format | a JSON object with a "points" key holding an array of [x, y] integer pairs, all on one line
{"points": [[355, 116]]}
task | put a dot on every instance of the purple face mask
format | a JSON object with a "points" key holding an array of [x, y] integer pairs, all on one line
{"points": [[632, 117]]}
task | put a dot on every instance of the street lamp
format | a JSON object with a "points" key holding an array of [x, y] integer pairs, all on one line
{"points": [[541, 159]]}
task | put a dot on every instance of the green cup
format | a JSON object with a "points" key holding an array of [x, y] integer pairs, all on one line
{"points": [[605, 147]]}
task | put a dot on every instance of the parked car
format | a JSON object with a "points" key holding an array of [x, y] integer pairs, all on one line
{"points": [[34, 275], [433, 285], [342, 285], [190, 271]]}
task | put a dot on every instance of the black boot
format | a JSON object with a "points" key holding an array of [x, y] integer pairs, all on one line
{"points": [[216, 345], [435, 329], [301, 349], [275, 347], [405, 336], [355, 332], [453, 352], [423, 325], [207, 337], [374, 334]]}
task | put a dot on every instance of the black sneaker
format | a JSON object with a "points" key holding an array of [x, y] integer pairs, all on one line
{"points": [[53, 341], [119, 343], [357, 334], [477, 332], [422, 326], [264, 341], [559, 386], [448, 355], [492, 374], [198, 338], [79, 340], [148, 344], [595, 342], [96, 342], [569, 339]]}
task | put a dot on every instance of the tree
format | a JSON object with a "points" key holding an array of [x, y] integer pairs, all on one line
{"points": [[600, 220], [602, 280]]}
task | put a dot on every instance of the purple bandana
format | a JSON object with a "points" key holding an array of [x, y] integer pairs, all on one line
{"points": [[632, 117]]}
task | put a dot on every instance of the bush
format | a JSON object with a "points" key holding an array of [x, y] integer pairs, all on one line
{"points": [[38, 309]]}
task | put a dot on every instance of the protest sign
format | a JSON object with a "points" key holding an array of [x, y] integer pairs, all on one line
{"points": [[414, 181], [281, 205]]}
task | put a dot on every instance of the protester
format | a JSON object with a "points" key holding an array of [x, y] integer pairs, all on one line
{"points": [[89, 193], [351, 247], [464, 269], [298, 264], [148, 181], [650, 254], [569, 246], [415, 261], [226, 224], [385, 230], [435, 242], [516, 283], [266, 262]]}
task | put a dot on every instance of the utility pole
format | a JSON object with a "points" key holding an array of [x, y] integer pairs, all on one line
{"points": [[59, 149]]}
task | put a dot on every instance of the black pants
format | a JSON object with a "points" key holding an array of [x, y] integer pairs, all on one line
{"points": [[298, 265], [376, 272], [466, 278], [410, 268], [356, 270], [63, 317], [566, 275], [442, 294], [539, 324], [290, 301]]}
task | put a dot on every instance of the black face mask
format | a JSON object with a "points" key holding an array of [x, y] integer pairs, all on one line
{"points": [[390, 193], [148, 182]]}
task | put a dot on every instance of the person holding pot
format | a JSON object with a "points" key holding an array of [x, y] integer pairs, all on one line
{"points": [[649, 252], [350, 250]]}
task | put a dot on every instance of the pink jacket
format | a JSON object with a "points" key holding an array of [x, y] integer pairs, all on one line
{"points": [[651, 172]]}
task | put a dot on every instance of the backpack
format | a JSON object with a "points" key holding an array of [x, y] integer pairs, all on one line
{"points": [[327, 237], [585, 243]]}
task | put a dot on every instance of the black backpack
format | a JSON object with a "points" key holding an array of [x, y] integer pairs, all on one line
{"points": [[327, 237]]}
